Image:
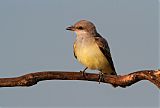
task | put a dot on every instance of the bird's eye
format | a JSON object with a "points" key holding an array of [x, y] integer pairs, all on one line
{"points": [[80, 28]]}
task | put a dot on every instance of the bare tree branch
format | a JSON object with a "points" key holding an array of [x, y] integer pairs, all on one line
{"points": [[120, 80]]}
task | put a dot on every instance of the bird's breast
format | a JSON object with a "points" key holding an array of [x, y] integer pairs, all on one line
{"points": [[89, 54]]}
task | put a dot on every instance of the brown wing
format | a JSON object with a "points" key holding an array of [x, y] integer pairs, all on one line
{"points": [[103, 46]]}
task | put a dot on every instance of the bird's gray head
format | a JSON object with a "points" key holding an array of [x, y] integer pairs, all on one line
{"points": [[83, 27]]}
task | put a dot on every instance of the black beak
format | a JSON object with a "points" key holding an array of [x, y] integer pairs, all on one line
{"points": [[71, 28]]}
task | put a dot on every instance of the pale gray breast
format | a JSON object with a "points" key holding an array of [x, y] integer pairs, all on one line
{"points": [[82, 42]]}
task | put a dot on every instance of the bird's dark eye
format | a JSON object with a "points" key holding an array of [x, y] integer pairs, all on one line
{"points": [[80, 28]]}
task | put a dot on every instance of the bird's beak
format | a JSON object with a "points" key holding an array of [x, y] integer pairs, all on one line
{"points": [[71, 28]]}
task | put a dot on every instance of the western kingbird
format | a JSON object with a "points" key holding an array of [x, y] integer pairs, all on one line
{"points": [[91, 49]]}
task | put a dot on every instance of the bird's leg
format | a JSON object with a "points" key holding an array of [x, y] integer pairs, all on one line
{"points": [[83, 72], [101, 77]]}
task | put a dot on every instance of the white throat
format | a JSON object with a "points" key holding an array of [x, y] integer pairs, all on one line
{"points": [[81, 33]]}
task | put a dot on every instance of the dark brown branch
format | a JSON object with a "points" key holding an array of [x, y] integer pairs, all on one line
{"points": [[120, 80]]}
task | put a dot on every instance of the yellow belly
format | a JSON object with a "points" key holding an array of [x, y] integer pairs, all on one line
{"points": [[92, 57]]}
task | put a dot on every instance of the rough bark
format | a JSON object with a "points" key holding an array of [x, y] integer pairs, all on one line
{"points": [[120, 80]]}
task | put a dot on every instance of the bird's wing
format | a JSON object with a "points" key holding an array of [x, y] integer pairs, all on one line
{"points": [[103, 46], [74, 47]]}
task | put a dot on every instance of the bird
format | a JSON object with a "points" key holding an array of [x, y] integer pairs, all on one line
{"points": [[91, 49]]}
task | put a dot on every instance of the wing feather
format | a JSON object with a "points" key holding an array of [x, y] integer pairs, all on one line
{"points": [[103, 46]]}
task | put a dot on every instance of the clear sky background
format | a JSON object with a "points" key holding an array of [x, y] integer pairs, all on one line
{"points": [[33, 38]]}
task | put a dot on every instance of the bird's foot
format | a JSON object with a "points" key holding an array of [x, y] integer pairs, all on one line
{"points": [[83, 73], [101, 77]]}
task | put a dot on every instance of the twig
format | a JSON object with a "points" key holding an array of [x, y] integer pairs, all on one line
{"points": [[120, 80]]}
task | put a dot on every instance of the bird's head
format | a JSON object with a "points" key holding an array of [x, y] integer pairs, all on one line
{"points": [[83, 27]]}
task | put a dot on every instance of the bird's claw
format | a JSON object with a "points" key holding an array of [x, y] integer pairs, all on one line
{"points": [[101, 77], [83, 74]]}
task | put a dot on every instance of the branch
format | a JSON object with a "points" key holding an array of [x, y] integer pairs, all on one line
{"points": [[120, 80]]}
